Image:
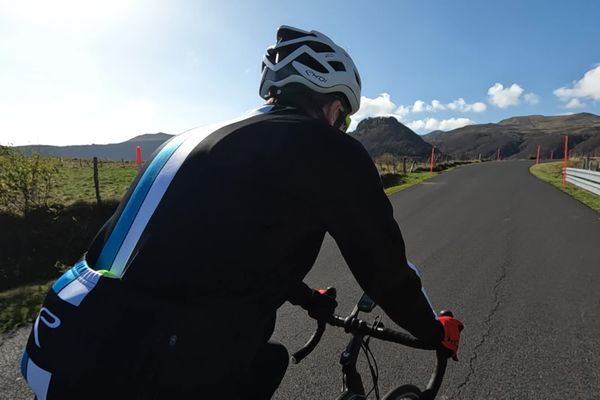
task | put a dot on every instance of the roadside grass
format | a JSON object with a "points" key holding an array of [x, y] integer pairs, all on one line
{"points": [[75, 181], [20, 306], [552, 173], [410, 180]]}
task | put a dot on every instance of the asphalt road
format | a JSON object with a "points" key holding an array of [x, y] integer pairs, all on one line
{"points": [[516, 260]]}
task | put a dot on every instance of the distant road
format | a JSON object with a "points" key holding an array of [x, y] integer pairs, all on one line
{"points": [[517, 260]]}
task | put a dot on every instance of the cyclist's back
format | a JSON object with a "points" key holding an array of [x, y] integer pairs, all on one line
{"points": [[242, 220]]}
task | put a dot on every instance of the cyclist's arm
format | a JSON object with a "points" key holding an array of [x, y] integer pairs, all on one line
{"points": [[362, 223]]}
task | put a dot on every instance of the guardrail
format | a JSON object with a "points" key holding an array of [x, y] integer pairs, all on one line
{"points": [[588, 180]]}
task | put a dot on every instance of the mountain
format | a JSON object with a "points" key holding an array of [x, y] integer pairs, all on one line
{"points": [[116, 151], [383, 135], [518, 137]]}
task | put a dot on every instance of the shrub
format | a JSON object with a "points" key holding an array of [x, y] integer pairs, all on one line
{"points": [[35, 246], [25, 181], [390, 180]]}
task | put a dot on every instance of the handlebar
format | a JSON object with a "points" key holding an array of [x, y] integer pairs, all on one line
{"points": [[355, 326], [310, 345]]}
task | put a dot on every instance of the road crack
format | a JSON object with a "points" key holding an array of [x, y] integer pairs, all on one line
{"points": [[487, 323]]}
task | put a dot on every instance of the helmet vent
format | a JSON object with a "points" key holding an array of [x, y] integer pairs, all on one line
{"points": [[338, 66], [357, 78], [285, 34], [310, 62], [320, 47]]}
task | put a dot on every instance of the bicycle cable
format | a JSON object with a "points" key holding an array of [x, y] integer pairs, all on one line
{"points": [[372, 362]]}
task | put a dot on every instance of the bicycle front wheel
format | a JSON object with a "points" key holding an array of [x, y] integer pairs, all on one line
{"points": [[404, 392]]}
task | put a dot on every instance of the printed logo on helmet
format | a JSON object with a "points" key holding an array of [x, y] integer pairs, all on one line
{"points": [[311, 74]]}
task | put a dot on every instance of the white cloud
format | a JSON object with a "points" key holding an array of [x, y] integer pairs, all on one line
{"points": [[437, 105], [432, 124], [381, 106], [402, 111], [421, 106], [587, 88], [505, 97], [532, 98], [462, 106], [574, 103]]}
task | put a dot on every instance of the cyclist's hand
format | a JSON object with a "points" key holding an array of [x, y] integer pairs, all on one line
{"points": [[322, 304], [452, 329]]}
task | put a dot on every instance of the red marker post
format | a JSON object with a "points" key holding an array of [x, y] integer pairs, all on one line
{"points": [[138, 155], [537, 157], [432, 160], [566, 161], [498, 154]]}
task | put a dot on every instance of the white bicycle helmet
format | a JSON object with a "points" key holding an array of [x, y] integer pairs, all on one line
{"points": [[313, 60]]}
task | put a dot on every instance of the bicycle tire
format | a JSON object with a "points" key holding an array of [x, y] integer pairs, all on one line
{"points": [[404, 392]]}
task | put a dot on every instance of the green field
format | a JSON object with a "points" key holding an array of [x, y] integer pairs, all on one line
{"points": [[75, 181], [552, 173]]}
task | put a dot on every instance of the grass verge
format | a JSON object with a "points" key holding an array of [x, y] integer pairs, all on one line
{"points": [[552, 173], [410, 180], [20, 306]]}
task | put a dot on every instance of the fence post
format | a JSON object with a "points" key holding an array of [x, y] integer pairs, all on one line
{"points": [[566, 160], [587, 162], [432, 160], [96, 181], [537, 157], [404, 165]]}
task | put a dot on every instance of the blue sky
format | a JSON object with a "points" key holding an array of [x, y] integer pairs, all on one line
{"points": [[100, 71]]}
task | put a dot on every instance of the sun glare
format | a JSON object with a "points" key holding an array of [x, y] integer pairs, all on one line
{"points": [[70, 13]]}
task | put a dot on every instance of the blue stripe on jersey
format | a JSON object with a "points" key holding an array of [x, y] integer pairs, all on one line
{"points": [[128, 216], [113, 244], [24, 362], [263, 110], [68, 277]]}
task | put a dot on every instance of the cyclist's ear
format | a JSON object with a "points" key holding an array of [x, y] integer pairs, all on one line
{"points": [[332, 111]]}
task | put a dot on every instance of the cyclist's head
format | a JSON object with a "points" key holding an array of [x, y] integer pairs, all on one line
{"points": [[308, 70]]}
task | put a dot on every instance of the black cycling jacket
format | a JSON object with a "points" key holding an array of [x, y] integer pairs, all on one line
{"points": [[242, 221]]}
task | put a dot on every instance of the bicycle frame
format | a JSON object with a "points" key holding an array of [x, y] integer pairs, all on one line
{"points": [[353, 388]]}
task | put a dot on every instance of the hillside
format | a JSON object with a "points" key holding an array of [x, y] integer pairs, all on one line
{"points": [[518, 137], [115, 151], [383, 135]]}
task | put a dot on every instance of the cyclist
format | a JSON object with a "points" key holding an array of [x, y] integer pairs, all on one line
{"points": [[177, 295]]}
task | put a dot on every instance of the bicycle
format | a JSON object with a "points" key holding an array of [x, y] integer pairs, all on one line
{"points": [[362, 331]]}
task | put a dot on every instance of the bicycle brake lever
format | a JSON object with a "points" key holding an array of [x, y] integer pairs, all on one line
{"points": [[311, 344]]}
